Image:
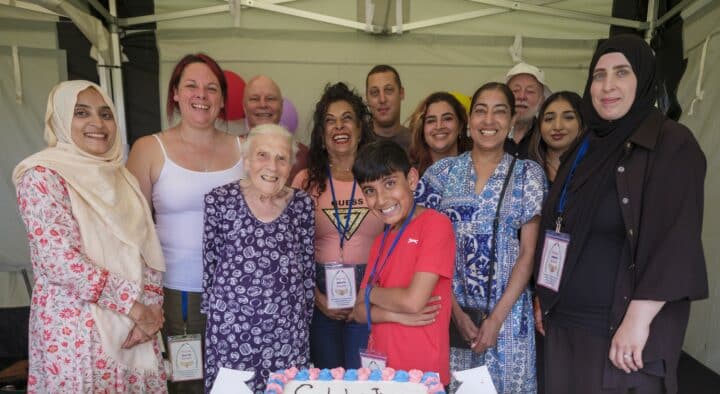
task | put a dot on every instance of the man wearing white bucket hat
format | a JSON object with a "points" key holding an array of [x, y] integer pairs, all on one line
{"points": [[527, 83]]}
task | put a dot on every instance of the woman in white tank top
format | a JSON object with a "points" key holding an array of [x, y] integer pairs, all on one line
{"points": [[175, 169]]}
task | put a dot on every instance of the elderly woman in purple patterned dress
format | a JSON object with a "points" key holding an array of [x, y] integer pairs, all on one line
{"points": [[258, 275]]}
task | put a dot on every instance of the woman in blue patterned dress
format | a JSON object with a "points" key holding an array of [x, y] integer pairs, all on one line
{"points": [[467, 189], [259, 272]]}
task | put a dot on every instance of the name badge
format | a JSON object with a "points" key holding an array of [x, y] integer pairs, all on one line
{"points": [[340, 286], [371, 359], [553, 259], [185, 352]]}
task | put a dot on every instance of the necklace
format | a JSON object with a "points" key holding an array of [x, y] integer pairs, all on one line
{"points": [[340, 168], [208, 162]]}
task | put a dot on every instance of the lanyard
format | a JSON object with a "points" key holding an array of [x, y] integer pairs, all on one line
{"points": [[184, 305], [564, 194], [375, 270], [342, 229]]}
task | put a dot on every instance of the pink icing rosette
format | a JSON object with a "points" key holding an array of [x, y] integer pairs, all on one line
{"points": [[290, 373], [363, 373], [388, 373], [338, 373], [278, 376], [432, 380], [274, 388], [415, 375], [314, 373]]}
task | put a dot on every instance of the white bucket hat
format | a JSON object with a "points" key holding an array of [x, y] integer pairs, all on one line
{"points": [[524, 68]]}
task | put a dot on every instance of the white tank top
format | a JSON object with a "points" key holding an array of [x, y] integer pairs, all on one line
{"points": [[178, 198]]}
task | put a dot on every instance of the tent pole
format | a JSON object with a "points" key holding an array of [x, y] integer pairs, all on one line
{"points": [[26, 279], [652, 18], [117, 79]]}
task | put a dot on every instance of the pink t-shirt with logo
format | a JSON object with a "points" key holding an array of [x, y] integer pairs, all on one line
{"points": [[364, 226]]}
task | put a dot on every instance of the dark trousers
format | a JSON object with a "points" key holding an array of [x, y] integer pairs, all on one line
{"points": [[336, 343], [174, 325], [575, 360]]}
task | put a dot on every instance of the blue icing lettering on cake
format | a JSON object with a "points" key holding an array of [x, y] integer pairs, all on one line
{"points": [[353, 381]]}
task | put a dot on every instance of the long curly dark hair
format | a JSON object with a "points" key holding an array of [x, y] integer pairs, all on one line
{"points": [[318, 159], [419, 149]]}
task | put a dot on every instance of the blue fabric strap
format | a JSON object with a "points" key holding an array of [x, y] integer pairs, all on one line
{"points": [[342, 229], [184, 303], [375, 272], [564, 195]]}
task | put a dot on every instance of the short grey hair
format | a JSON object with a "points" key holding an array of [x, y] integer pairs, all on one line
{"points": [[270, 129]]}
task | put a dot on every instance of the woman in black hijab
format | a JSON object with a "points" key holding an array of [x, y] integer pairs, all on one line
{"points": [[621, 252]]}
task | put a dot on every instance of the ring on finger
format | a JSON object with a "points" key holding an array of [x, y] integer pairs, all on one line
{"points": [[626, 355]]}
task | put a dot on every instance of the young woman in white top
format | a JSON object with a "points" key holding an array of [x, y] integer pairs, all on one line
{"points": [[176, 168]]}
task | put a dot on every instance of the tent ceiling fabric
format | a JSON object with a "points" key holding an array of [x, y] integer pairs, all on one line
{"points": [[455, 17]]}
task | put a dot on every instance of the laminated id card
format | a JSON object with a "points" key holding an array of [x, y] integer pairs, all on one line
{"points": [[372, 360], [340, 286], [553, 259], [185, 352]]}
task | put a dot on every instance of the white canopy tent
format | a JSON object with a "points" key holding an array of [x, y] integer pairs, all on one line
{"points": [[451, 45]]}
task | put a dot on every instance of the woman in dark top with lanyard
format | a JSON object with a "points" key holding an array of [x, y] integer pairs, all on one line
{"points": [[620, 257]]}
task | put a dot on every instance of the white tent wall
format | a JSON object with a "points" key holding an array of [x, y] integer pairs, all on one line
{"points": [[702, 340], [302, 66], [41, 66], [303, 56], [22, 125]]}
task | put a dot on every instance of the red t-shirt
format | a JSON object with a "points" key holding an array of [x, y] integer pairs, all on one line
{"points": [[427, 245]]}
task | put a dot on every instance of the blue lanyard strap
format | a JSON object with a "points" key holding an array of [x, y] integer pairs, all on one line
{"points": [[375, 271], [564, 194], [342, 229], [184, 304]]}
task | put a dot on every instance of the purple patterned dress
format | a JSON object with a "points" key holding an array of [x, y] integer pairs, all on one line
{"points": [[258, 281]]}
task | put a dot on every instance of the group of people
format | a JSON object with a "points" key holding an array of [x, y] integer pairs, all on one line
{"points": [[466, 238]]}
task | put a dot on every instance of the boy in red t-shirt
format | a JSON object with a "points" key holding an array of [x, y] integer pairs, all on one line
{"points": [[408, 279]]}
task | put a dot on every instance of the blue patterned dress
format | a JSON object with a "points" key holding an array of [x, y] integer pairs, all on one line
{"points": [[258, 281], [449, 187]]}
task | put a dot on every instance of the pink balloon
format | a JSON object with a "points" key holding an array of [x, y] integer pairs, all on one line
{"points": [[289, 117]]}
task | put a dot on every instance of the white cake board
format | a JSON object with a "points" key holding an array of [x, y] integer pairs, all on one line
{"points": [[475, 381], [231, 381]]}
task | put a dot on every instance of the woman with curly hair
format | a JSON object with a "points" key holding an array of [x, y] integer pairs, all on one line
{"points": [[344, 227]]}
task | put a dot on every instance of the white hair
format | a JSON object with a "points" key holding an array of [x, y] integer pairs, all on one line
{"points": [[270, 129]]}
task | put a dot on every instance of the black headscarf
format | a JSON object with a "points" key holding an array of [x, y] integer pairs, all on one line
{"points": [[642, 61], [606, 143]]}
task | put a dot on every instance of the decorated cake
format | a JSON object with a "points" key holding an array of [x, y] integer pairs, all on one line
{"points": [[353, 381]]}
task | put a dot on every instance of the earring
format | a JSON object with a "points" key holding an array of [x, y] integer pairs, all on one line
{"points": [[468, 131]]}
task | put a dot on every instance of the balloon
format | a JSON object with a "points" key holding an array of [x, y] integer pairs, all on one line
{"points": [[463, 99], [289, 117], [235, 89]]}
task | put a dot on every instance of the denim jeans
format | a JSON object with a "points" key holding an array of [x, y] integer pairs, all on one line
{"points": [[336, 343]]}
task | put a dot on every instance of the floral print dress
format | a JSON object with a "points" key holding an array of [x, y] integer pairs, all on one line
{"points": [[66, 355], [449, 187], [258, 282]]}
